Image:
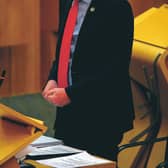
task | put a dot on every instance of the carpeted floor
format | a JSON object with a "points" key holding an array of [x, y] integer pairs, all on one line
{"points": [[35, 106]]}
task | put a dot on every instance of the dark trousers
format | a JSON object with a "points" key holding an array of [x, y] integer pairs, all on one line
{"points": [[109, 152]]}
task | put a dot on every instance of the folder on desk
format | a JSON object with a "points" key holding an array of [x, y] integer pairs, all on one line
{"points": [[16, 132]]}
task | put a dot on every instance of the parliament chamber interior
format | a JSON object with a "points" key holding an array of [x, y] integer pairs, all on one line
{"points": [[28, 36]]}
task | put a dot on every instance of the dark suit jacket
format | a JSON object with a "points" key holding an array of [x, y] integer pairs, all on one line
{"points": [[101, 101]]}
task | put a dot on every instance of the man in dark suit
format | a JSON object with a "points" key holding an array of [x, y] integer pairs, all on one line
{"points": [[95, 108]]}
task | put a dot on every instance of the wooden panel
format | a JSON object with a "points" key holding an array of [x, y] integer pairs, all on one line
{"points": [[23, 60], [32, 61], [49, 10], [140, 6], [26, 58], [5, 64], [48, 46], [12, 22], [18, 69]]}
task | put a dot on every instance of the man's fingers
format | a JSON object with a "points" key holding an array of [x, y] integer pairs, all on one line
{"points": [[51, 92]]}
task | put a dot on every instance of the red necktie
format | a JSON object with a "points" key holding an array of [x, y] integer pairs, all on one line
{"points": [[66, 44]]}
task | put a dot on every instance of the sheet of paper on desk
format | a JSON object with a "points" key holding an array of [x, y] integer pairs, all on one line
{"points": [[75, 160], [46, 141], [51, 150], [21, 154]]}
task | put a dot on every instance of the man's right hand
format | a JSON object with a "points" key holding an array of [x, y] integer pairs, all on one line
{"points": [[50, 85]]}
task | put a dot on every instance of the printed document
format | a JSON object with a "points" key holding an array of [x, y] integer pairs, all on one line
{"points": [[75, 160]]}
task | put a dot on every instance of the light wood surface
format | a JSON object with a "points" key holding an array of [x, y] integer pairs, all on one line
{"points": [[49, 24], [12, 22], [20, 46]]}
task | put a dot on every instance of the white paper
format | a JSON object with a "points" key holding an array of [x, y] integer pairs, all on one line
{"points": [[24, 152], [46, 141], [75, 160], [51, 150]]}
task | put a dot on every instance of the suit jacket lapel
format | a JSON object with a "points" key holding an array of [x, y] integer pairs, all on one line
{"points": [[62, 23], [65, 15]]}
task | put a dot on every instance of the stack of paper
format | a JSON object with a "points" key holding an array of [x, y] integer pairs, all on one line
{"points": [[48, 147], [45, 141], [62, 156], [57, 149], [52, 152], [77, 160]]}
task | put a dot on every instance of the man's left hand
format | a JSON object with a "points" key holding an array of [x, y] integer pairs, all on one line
{"points": [[58, 97]]}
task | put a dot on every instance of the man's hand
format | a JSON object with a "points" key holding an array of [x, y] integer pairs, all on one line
{"points": [[55, 95], [50, 85], [58, 97]]}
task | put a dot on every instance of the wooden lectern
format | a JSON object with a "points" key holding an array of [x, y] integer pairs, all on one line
{"points": [[16, 132]]}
